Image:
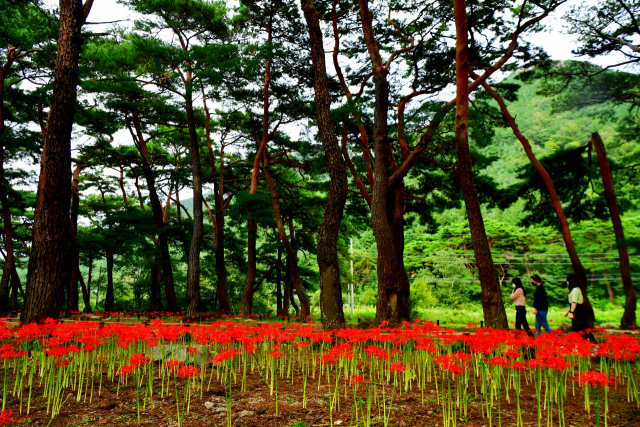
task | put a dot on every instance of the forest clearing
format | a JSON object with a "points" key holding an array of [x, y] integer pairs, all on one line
{"points": [[320, 212]]}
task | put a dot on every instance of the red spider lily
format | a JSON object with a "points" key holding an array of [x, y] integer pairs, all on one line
{"points": [[498, 361], [397, 367], [224, 355], [127, 369], [193, 350], [512, 353], [5, 418], [276, 354], [188, 372], [595, 379], [357, 379], [138, 359], [173, 364], [328, 358], [518, 366]]}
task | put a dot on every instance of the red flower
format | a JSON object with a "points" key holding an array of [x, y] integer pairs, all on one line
{"points": [[596, 379], [357, 379], [397, 367], [188, 372], [5, 418]]}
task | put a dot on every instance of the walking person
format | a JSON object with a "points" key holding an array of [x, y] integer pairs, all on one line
{"points": [[518, 296], [576, 311], [540, 305]]}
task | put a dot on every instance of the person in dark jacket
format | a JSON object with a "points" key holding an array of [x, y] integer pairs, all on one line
{"points": [[540, 305], [518, 296]]}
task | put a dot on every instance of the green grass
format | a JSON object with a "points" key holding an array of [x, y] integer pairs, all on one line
{"points": [[473, 314]]}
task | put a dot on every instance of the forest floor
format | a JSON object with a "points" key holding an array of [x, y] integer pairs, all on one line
{"points": [[257, 407]]}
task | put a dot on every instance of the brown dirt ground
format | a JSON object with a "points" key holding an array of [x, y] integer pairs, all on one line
{"points": [[408, 410]]}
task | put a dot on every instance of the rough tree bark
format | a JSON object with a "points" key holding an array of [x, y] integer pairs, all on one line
{"points": [[629, 315], [390, 287], [109, 299], [492, 303], [576, 264], [155, 297], [193, 266], [224, 302], [48, 263], [331, 310], [279, 283]]}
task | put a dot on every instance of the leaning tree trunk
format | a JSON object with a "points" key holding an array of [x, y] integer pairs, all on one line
{"points": [[389, 282], [305, 306], [48, 263], [158, 217], [193, 266], [246, 300], [109, 299], [86, 296], [492, 303], [576, 264], [629, 315], [330, 287]]}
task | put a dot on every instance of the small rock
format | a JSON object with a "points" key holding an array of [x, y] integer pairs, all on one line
{"points": [[208, 405], [337, 422], [430, 412], [608, 326], [246, 414]]}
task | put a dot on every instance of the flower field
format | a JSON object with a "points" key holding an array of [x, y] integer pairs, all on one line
{"points": [[227, 373]]}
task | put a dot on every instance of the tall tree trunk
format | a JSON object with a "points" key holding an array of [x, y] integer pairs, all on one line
{"points": [[155, 297], [331, 310], [48, 263], [395, 216], [193, 266], [492, 303], [158, 216], [292, 298], [390, 286], [279, 283], [74, 252], [6, 215], [246, 300], [629, 315], [286, 300], [305, 310], [15, 288], [4, 287], [86, 296], [224, 302], [109, 299], [576, 264]]}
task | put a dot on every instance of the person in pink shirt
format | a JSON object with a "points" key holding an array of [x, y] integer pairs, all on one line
{"points": [[518, 296]]}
